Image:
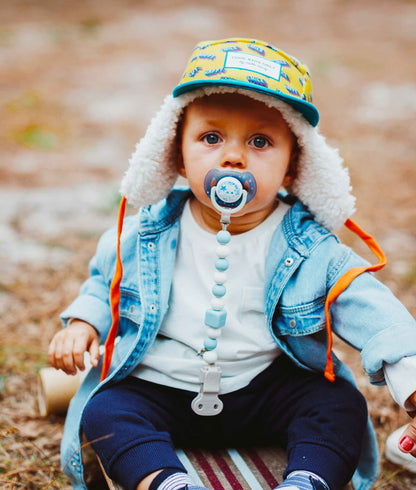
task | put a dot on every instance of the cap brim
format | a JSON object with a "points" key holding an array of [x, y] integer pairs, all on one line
{"points": [[309, 111]]}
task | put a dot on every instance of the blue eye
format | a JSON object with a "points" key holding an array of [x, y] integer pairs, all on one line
{"points": [[211, 139], [259, 142]]}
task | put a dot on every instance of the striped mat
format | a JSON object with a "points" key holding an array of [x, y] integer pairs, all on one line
{"points": [[231, 469]]}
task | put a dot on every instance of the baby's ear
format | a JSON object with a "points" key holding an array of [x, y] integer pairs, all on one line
{"points": [[288, 180], [292, 170], [180, 167]]}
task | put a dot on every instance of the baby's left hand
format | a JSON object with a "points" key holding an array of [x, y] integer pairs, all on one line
{"points": [[407, 443]]}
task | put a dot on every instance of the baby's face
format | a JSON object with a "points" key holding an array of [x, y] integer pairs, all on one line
{"points": [[235, 132]]}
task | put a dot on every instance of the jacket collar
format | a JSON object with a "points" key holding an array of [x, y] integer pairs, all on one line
{"points": [[301, 231], [158, 217]]}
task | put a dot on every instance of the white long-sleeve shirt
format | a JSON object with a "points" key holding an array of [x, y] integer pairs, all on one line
{"points": [[245, 347]]}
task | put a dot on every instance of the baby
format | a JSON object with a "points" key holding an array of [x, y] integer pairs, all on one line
{"points": [[217, 302]]}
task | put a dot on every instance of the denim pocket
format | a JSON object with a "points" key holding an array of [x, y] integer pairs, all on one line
{"points": [[304, 319], [130, 305]]}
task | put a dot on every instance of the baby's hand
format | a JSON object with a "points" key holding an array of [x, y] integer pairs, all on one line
{"points": [[67, 348]]}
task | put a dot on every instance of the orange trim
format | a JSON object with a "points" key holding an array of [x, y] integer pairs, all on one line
{"points": [[114, 295], [344, 281]]}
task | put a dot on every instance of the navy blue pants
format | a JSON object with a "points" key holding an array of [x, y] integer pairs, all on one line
{"points": [[321, 424]]}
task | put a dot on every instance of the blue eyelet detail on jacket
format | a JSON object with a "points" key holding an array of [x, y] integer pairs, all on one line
{"points": [[303, 319]]}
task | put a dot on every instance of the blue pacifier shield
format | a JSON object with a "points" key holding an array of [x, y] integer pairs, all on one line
{"points": [[229, 186]]}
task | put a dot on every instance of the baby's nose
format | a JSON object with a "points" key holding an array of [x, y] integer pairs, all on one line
{"points": [[233, 156]]}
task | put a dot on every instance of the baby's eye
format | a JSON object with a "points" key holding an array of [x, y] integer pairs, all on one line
{"points": [[259, 142], [211, 138]]}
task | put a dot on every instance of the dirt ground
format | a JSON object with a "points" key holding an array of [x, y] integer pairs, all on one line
{"points": [[80, 81]]}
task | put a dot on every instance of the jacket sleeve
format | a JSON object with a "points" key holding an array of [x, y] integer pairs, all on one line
{"points": [[92, 305], [369, 317]]}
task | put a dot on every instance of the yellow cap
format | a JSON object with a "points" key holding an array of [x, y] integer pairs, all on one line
{"points": [[253, 65]]}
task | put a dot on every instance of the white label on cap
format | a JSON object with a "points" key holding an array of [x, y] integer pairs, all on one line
{"points": [[244, 61]]}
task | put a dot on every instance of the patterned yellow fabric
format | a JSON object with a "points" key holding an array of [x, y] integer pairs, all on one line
{"points": [[254, 65]]}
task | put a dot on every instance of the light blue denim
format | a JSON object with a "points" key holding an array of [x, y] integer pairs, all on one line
{"points": [[303, 263]]}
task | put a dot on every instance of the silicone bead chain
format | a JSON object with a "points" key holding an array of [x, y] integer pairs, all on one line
{"points": [[228, 190], [216, 316]]}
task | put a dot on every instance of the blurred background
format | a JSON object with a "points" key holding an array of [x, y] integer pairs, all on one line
{"points": [[80, 81]]}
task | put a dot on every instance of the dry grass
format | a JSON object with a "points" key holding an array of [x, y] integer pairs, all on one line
{"points": [[29, 444]]}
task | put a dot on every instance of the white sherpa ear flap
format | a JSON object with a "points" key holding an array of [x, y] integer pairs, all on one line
{"points": [[322, 182], [152, 167]]}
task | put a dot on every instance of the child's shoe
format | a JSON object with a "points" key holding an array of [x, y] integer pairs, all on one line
{"points": [[303, 480], [170, 479], [187, 487]]}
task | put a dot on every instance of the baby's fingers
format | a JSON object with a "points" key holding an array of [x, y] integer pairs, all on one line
{"points": [[51, 353], [55, 351], [79, 348], [64, 358], [94, 352]]}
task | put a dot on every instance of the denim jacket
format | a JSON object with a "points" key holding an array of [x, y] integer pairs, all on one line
{"points": [[304, 261]]}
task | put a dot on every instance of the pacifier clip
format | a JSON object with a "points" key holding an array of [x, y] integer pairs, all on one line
{"points": [[228, 196]]}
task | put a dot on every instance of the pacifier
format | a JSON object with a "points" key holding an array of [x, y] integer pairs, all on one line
{"points": [[228, 190]]}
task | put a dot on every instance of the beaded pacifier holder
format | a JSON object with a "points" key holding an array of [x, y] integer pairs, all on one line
{"points": [[229, 192]]}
